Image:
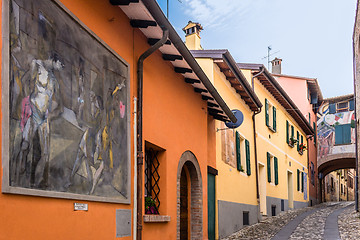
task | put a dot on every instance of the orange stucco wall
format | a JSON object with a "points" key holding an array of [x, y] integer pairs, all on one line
{"points": [[175, 119]]}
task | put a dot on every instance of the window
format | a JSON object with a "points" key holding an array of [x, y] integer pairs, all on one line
{"points": [[312, 171], [343, 134], [270, 115], [298, 179], [342, 107], [152, 176], [290, 134], [298, 140], [272, 169], [302, 181], [246, 218], [242, 152]]}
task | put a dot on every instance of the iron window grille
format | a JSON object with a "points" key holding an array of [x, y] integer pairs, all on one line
{"points": [[152, 177]]}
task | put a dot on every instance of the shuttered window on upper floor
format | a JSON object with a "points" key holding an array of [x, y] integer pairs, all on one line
{"points": [[272, 169], [343, 134], [270, 115], [247, 149]]}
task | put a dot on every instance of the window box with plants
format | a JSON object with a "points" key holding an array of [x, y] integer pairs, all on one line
{"points": [[150, 206], [292, 141], [302, 148]]}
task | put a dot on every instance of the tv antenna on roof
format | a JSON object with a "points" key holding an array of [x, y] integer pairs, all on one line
{"points": [[167, 8], [268, 56]]}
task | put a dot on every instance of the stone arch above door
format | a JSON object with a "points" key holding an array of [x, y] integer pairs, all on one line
{"points": [[189, 160]]}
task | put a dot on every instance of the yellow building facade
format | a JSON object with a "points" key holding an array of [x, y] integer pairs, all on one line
{"points": [[235, 185], [281, 134]]}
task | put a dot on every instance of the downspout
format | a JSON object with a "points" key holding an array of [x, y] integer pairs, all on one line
{"points": [[135, 171], [140, 153], [255, 146]]}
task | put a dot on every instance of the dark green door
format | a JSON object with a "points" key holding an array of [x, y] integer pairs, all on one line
{"points": [[211, 206]]}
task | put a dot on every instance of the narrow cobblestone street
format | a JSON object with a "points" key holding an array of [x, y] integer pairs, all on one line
{"points": [[331, 220]]}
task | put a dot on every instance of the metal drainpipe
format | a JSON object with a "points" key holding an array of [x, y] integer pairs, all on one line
{"points": [[140, 153], [255, 147]]}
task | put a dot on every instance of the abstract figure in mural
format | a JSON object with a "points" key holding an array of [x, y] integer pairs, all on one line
{"points": [[90, 144], [113, 106], [43, 105]]}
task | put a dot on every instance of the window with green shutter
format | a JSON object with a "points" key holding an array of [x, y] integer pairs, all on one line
{"points": [[247, 149], [298, 140], [343, 134], [292, 131], [269, 166], [276, 171], [238, 153], [287, 132], [298, 179], [267, 113], [302, 181], [274, 119], [302, 139]]}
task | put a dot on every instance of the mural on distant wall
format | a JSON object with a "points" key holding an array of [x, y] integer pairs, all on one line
{"points": [[326, 131], [68, 106]]}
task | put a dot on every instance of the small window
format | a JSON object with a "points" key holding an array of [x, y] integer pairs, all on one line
{"points": [[270, 115], [343, 134], [272, 169], [342, 107], [246, 218], [242, 154]]}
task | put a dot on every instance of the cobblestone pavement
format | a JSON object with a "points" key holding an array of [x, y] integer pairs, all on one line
{"points": [[312, 227]]}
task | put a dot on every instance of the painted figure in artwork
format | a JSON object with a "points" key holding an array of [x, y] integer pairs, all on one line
{"points": [[43, 104]]}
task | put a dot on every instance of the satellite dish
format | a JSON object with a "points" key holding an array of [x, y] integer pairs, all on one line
{"points": [[240, 118]]}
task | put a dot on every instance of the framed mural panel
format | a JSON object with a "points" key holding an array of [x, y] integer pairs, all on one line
{"points": [[65, 107]]}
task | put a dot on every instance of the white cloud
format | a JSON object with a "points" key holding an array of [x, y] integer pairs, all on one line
{"points": [[214, 13]]}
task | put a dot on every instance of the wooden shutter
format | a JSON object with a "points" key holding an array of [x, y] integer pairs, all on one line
{"points": [[347, 133], [287, 132], [268, 167], [298, 179], [292, 131], [267, 112], [302, 181], [274, 118], [298, 140], [302, 139], [343, 134], [351, 105], [247, 148], [332, 108], [276, 171], [238, 154], [315, 135]]}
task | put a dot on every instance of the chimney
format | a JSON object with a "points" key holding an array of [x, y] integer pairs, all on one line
{"points": [[276, 66], [192, 35]]}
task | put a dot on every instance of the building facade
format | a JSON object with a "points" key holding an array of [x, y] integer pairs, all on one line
{"points": [[104, 136], [336, 134], [306, 94]]}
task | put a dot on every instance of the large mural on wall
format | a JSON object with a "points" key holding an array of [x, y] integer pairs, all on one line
{"points": [[326, 131], [68, 106]]}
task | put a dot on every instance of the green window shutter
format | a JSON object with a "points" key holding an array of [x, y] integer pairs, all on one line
{"points": [[248, 168], [309, 118], [298, 140], [302, 181], [274, 119], [287, 132], [292, 131], [298, 180], [267, 113], [276, 171], [302, 139], [268, 167], [238, 155]]}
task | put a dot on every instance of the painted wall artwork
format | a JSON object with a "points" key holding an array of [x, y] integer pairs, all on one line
{"points": [[68, 106], [326, 128]]}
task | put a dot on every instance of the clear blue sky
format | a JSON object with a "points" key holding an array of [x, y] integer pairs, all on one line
{"points": [[313, 37]]}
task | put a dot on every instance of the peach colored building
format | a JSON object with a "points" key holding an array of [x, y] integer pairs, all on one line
{"points": [[306, 94]]}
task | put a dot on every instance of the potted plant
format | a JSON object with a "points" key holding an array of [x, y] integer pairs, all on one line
{"points": [[292, 141], [150, 206], [302, 148]]}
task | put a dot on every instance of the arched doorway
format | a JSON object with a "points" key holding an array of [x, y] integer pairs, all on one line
{"points": [[189, 195]]}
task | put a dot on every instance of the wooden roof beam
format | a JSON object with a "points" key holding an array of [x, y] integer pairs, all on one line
{"points": [[172, 57], [122, 2]]}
